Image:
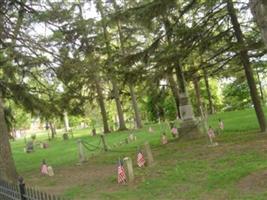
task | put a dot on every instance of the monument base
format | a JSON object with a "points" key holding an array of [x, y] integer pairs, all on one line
{"points": [[190, 129]]}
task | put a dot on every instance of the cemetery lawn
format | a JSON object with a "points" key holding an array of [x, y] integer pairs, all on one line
{"points": [[183, 169]]}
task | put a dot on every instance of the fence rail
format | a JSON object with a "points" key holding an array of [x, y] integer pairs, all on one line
{"points": [[21, 192]]}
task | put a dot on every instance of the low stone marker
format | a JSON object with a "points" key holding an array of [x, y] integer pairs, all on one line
{"points": [[148, 154], [129, 165], [29, 147]]}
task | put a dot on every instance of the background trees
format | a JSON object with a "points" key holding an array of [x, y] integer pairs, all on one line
{"points": [[128, 62], [258, 9]]}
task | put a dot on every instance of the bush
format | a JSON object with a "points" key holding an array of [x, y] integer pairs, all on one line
{"points": [[33, 136]]}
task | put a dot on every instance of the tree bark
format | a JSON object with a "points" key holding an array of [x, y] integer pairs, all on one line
{"points": [[259, 11], [247, 67], [180, 78], [122, 125], [179, 73], [53, 130], [66, 121], [133, 97], [206, 79], [101, 103], [175, 92], [198, 96], [137, 115], [260, 86], [8, 170]]}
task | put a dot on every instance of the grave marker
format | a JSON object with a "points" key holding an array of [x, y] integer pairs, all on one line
{"points": [[148, 154], [129, 165]]}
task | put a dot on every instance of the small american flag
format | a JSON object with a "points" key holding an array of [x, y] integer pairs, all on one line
{"points": [[140, 160], [121, 173]]}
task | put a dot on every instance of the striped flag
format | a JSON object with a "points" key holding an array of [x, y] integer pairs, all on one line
{"points": [[140, 159], [121, 173]]}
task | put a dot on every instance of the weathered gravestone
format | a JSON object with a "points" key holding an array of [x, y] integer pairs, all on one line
{"points": [[129, 165], [65, 136], [29, 147]]}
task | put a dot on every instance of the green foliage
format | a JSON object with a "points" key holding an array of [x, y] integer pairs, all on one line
{"points": [[75, 121], [161, 105], [170, 108], [33, 136], [236, 96], [18, 118]]}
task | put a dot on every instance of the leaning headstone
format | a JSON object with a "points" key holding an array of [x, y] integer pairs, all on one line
{"points": [[65, 136], [164, 139], [45, 145], [131, 137], [148, 154], [29, 147], [150, 130], [50, 171], [129, 165]]}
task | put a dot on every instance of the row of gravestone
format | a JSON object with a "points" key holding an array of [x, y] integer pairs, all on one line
{"points": [[32, 144]]}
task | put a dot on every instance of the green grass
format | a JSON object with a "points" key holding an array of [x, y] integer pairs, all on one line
{"points": [[183, 169]]}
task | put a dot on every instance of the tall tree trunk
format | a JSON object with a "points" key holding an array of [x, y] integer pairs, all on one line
{"points": [[66, 122], [259, 11], [206, 79], [8, 170], [260, 86], [137, 115], [7, 166], [134, 102], [122, 125], [198, 96], [180, 78], [179, 74], [101, 103], [247, 67], [175, 92], [53, 129]]}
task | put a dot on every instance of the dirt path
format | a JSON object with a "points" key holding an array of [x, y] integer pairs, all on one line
{"points": [[70, 176]]}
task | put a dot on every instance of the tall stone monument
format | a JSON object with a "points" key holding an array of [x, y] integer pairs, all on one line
{"points": [[189, 125]]}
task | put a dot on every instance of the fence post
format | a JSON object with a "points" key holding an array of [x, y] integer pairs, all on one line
{"points": [[22, 189], [129, 165], [81, 152], [148, 153]]}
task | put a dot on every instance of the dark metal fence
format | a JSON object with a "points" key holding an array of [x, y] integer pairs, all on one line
{"points": [[21, 192]]}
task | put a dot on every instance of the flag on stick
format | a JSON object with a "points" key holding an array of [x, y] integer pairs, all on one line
{"points": [[121, 173], [140, 159]]}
